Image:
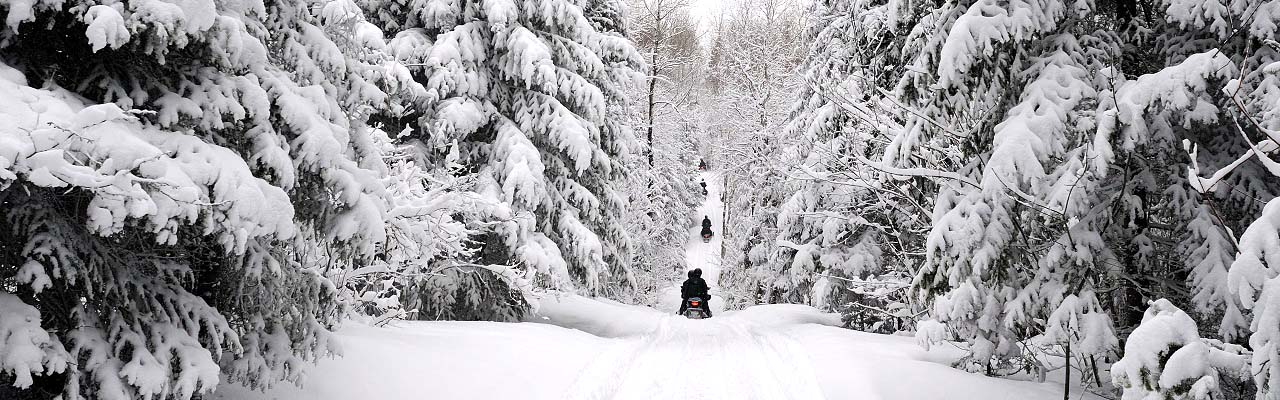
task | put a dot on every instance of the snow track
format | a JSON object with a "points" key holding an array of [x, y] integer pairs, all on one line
{"points": [[719, 358]]}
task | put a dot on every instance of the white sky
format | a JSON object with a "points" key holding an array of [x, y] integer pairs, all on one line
{"points": [[705, 10]]}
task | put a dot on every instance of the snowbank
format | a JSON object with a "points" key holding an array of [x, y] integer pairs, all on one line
{"points": [[897, 368], [599, 317], [610, 319], [785, 314], [441, 360]]}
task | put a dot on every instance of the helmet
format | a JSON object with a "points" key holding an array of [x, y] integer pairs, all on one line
{"points": [[696, 273]]}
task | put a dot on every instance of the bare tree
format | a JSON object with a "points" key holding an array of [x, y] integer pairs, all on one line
{"points": [[665, 33]]}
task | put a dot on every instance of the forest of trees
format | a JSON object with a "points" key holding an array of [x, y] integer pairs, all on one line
{"points": [[201, 191]]}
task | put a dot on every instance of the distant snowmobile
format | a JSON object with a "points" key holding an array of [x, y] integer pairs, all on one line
{"points": [[704, 187], [695, 308], [706, 229]]}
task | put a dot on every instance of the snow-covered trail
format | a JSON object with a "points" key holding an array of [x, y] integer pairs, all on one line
{"points": [[719, 358], [727, 357], [698, 254], [707, 255]]}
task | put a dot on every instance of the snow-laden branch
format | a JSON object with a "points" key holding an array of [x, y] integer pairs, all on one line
{"points": [[917, 172]]}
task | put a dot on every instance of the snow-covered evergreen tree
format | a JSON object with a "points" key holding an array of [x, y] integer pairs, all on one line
{"points": [[1165, 358], [993, 287], [1038, 149], [531, 95], [427, 269], [843, 221], [178, 181], [1253, 278]]}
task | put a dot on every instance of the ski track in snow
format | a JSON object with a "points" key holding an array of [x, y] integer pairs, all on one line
{"points": [[718, 358]]}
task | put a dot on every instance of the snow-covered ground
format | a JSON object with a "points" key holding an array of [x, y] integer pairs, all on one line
{"points": [[631, 352], [581, 348], [442, 360]]}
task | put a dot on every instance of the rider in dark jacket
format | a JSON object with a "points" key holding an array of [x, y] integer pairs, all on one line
{"points": [[706, 226], [695, 287]]}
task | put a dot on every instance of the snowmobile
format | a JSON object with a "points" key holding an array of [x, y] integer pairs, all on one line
{"points": [[695, 308], [706, 237]]}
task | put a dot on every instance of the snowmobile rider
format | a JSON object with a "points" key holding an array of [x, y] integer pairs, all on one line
{"points": [[695, 287], [706, 226]]}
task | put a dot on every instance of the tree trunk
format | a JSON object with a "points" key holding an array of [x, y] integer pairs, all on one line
{"points": [[1094, 365], [653, 83], [1066, 381]]}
